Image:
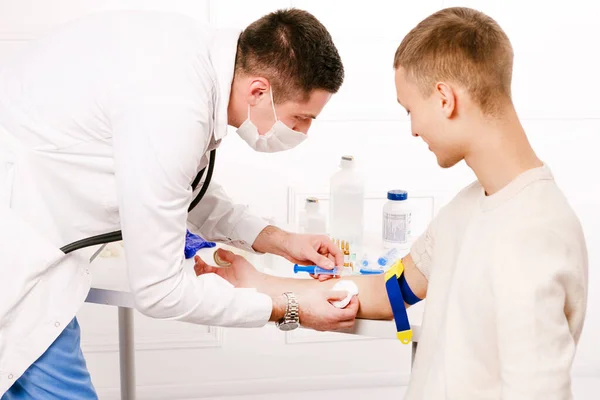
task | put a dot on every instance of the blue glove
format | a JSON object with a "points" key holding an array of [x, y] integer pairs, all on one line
{"points": [[193, 243]]}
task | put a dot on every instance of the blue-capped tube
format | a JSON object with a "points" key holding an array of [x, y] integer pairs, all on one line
{"points": [[364, 262], [368, 268], [368, 271], [389, 257]]}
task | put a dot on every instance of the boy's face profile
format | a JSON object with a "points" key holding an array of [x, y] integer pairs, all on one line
{"points": [[434, 118]]}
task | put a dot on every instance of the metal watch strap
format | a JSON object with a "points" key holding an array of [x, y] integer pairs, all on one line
{"points": [[291, 317], [292, 309]]}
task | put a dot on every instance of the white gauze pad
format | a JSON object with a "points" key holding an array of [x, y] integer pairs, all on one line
{"points": [[345, 286]]}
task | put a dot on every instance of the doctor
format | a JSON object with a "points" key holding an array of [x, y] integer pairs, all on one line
{"points": [[104, 124]]}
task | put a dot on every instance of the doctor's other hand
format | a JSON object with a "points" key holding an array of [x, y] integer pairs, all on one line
{"points": [[316, 312], [303, 249], [313, 249], [240, 273], [318, 250]]}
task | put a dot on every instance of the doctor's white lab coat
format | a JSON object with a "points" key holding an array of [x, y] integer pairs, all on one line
{"points": [[103, 126]]}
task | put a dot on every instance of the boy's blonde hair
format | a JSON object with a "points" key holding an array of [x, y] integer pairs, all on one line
{"points": [[464, 46]]}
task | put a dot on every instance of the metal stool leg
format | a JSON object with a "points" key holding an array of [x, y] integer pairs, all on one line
{"points": [[414, 352], [126, 353]]}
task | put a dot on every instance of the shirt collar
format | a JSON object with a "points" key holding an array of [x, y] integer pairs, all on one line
{"points": [[528, 177], [222, 56]]}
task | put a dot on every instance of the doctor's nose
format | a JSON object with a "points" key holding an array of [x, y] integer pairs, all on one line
{"points": [[303, 126]]}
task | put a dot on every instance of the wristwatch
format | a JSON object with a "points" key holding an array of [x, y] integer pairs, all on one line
{"points": [[291, 318]]}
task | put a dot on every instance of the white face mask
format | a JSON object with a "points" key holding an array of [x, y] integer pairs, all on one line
{"points": [[280, 137]]}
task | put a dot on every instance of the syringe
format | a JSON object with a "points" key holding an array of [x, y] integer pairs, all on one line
{"points": [[315, 270]]}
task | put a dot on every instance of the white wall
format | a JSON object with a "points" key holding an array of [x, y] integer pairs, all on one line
{"points": [[555, 90]]}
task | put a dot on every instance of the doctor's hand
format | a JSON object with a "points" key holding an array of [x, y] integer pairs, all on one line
{"points": [[299, 248], [240, 273], [316, 311]]}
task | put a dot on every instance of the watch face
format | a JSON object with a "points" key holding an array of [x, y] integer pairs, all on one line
{"points": [[288, 326]]}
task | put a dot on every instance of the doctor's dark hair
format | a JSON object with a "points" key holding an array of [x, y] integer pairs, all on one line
{"points": [[294, 51]]}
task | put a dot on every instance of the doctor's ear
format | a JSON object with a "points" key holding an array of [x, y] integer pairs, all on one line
{"points": [[258, 89]]}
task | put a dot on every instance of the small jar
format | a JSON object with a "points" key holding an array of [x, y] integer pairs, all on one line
{"points": [[396, 220], [312, 220]]}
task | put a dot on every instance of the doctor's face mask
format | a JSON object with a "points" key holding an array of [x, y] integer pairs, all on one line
{"points": [[280, 137]]}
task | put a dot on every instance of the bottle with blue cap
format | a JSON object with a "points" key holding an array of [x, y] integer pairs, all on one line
{"points": [[396, 220]]}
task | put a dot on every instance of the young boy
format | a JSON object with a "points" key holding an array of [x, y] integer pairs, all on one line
{"points": [[504, 264]]}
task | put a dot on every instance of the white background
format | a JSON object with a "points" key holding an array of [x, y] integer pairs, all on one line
{"points": [[555, 90]]}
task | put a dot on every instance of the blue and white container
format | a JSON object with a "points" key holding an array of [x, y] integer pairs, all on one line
{"points": [[396, 220]]}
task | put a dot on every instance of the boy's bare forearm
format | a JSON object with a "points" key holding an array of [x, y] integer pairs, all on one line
{"points": [[374, 303]]}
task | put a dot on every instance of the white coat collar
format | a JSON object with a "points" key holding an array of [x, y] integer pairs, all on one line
{"points": [[222, 56]]}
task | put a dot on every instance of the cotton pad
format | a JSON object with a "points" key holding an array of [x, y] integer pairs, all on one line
{"points": [[345, 286]]}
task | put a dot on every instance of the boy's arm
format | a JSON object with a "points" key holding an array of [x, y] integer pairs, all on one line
{"points": [[374, 303]]}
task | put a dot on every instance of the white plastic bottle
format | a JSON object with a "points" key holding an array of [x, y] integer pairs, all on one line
{"points": [[396, 220], [312, 220], [346, 208]]}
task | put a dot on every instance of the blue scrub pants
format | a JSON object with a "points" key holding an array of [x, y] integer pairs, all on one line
{"points": [[60, 373]]}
